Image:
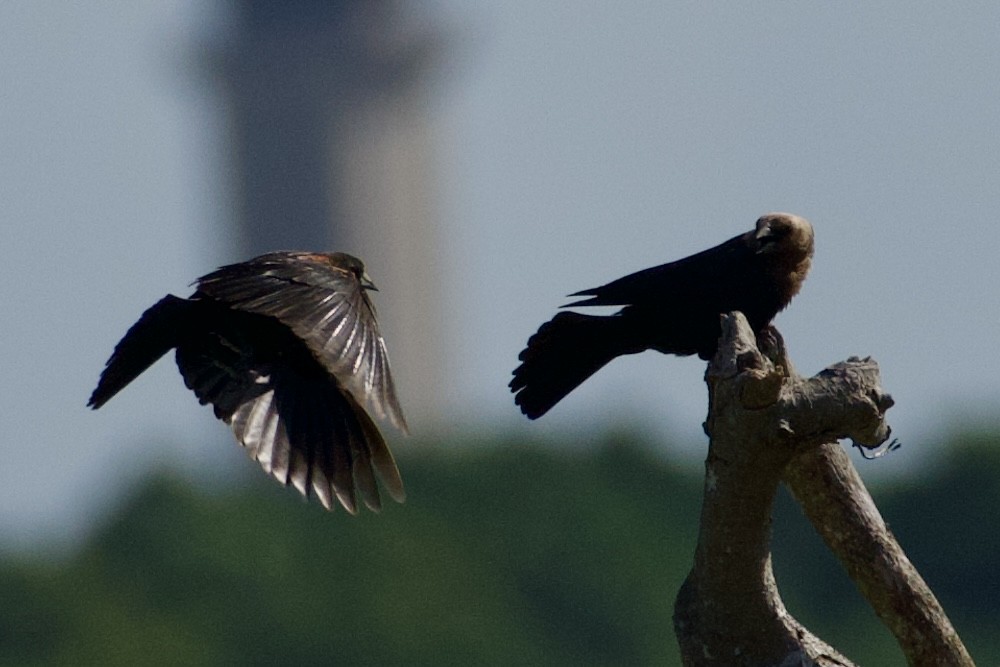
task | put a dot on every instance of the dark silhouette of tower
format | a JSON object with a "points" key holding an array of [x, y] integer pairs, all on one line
{"points": [[330, 151]]}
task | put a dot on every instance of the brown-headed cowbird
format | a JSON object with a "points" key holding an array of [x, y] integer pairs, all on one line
{"points": [[673, 308], [287, 350]]}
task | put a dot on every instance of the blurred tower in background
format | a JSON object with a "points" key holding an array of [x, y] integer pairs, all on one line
{"points": [[330, 150]]}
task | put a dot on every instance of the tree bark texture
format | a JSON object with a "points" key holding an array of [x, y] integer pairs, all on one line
{"points": [[766, 424]]}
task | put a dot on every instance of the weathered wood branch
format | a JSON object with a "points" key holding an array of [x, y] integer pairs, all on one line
{"points": [[764, 422], [833, 497]]}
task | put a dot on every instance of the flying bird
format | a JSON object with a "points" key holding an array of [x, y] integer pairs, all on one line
{"points": [[672, 308], [287, 350]]}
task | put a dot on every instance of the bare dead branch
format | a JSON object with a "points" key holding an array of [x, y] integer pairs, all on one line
{"points": [[833, 497], [763, 422]]}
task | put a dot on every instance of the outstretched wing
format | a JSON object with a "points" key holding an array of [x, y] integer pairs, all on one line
{"points": [[156, 332], [291, 416], [321, 298]]}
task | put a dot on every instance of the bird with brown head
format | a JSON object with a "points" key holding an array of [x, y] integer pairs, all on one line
{"points": [[673, 308]]}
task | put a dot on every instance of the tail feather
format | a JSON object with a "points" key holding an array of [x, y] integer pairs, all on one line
{"points": [[564, 352], [156, 332]]}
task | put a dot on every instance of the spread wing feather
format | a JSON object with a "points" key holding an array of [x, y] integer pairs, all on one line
{"points": [[328, 308], [299, 425], [287, 351], [157, 331]]}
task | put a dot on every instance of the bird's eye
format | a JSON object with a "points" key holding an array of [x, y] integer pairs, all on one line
{"points": [[774, 235]]}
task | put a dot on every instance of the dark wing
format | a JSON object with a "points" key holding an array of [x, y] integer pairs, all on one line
{"points": [[674, 308], [286, 410], [157, 331], [696, 277], [321, 299]]}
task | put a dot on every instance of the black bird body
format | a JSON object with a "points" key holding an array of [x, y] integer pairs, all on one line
{"points": [[287, 350], [673, 308]]}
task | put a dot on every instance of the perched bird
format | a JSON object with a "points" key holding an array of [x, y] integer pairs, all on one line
{"points": [[673, 308], [287, 350]]}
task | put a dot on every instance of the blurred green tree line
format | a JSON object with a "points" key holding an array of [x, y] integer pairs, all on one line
{"points": [[505, 553]]}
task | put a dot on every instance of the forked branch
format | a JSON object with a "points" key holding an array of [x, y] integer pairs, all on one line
{"points": [[766, 424]]}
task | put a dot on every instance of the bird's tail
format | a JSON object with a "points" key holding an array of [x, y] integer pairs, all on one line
{"points": [[157, 331], [564, 352]]}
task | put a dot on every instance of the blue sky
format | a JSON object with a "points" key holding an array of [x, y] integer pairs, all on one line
{"points": [[574, 143]]}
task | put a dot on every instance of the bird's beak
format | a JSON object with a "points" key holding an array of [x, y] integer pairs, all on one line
{"points": [[367, 283], [762, 236]]}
